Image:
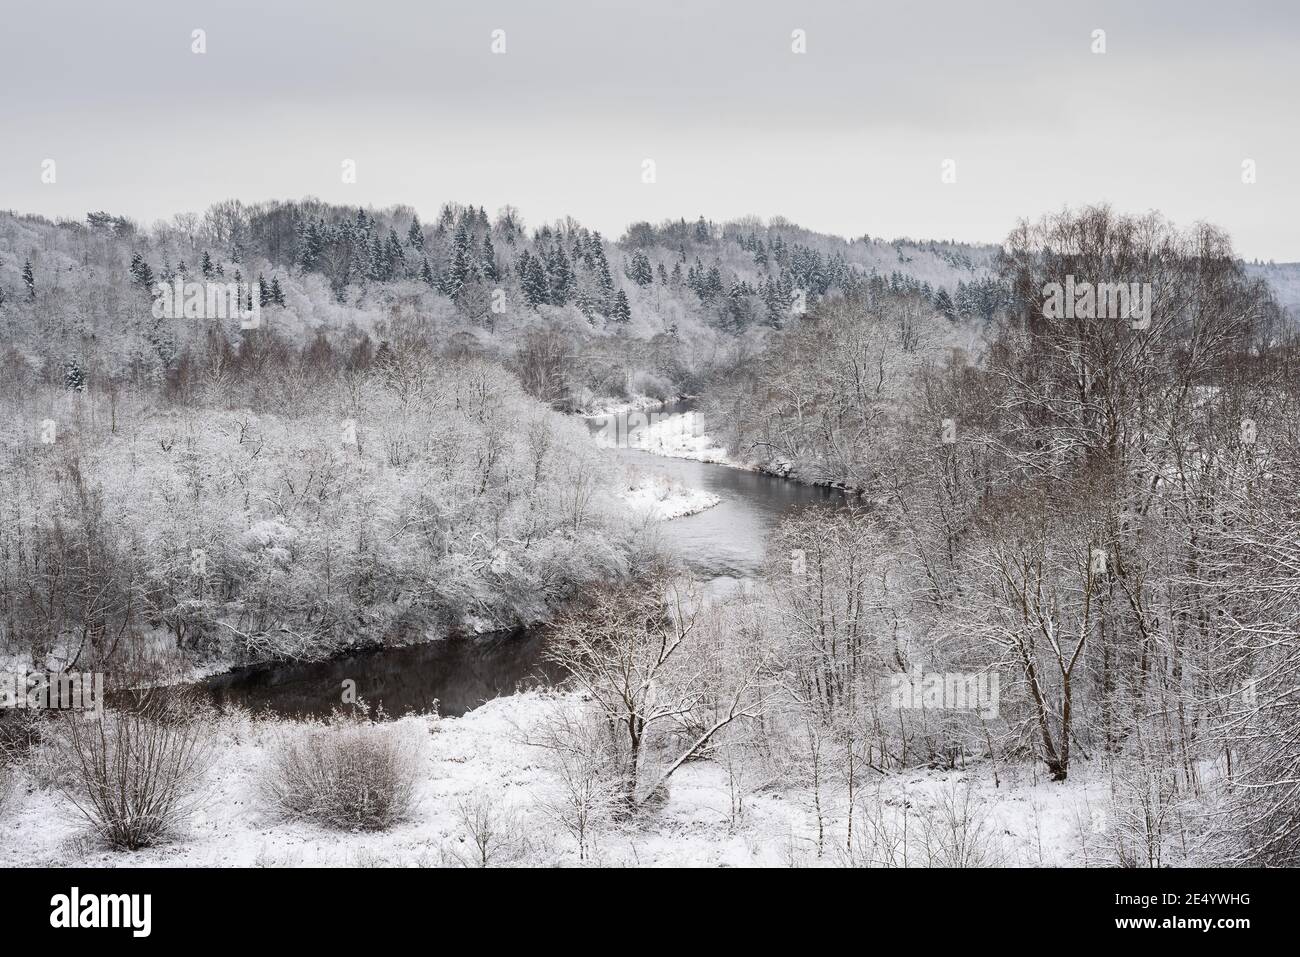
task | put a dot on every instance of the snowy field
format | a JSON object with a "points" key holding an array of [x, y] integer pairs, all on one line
{"points": [[487, 756]]}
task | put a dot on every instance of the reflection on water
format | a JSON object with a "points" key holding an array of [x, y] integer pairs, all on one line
{"points": [[454, 675], [721, 545]]}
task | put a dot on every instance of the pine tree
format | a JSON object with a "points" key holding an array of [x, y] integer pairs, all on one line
{"points": [[312, 245], [488, 260], [394, 261], [74, 376], [415, 235], [277, 294], [461, 261], [426, 272], [263, 292], [141, 274], [943, 305], [339, 281], [535, 282], [458, 273], [605, 281], [702, 231], [561, 275], [206, 265], [639, 270], [621, 312], [376, 268]]}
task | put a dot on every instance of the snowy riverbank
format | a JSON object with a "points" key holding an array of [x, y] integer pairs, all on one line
{"points": [[712, 817]]}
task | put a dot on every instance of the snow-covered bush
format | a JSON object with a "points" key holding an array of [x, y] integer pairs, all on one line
{"points": [[136, 773], [491, 829], [347, 773]]}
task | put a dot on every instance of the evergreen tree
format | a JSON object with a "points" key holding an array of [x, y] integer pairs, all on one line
{"points": [[621, 312], [277, 294], [639, 270], [394, 261], [711, 287], [461, 260], [943, 305], [535, 283], [206, 265], [377, 268], [74, 376], [458, 273], [561, 275], [488, 261], [263, 291], [141, 274], [312, 245], [605, 281], [426, 272], [339, 281], [415, 235]]}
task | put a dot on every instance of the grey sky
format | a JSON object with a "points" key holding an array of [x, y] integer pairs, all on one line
{"points": [[847, 138]]}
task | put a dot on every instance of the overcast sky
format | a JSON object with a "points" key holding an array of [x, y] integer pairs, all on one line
{"points": [[847, 138]]}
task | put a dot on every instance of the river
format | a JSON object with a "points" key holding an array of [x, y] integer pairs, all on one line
{"points": [[721, 545]]}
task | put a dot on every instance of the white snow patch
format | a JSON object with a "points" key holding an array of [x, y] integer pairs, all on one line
{"points": [[663, 499]]}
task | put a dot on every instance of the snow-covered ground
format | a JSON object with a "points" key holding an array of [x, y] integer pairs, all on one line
{"points": [[487, 754], [660, 498]]}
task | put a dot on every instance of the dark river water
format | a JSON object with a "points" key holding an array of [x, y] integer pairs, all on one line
{"points": [[721, 545], [451, 676]]}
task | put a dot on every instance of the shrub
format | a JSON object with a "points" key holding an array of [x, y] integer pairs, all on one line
{"points": [[348, 773], [135, 773], [494, 831]]}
